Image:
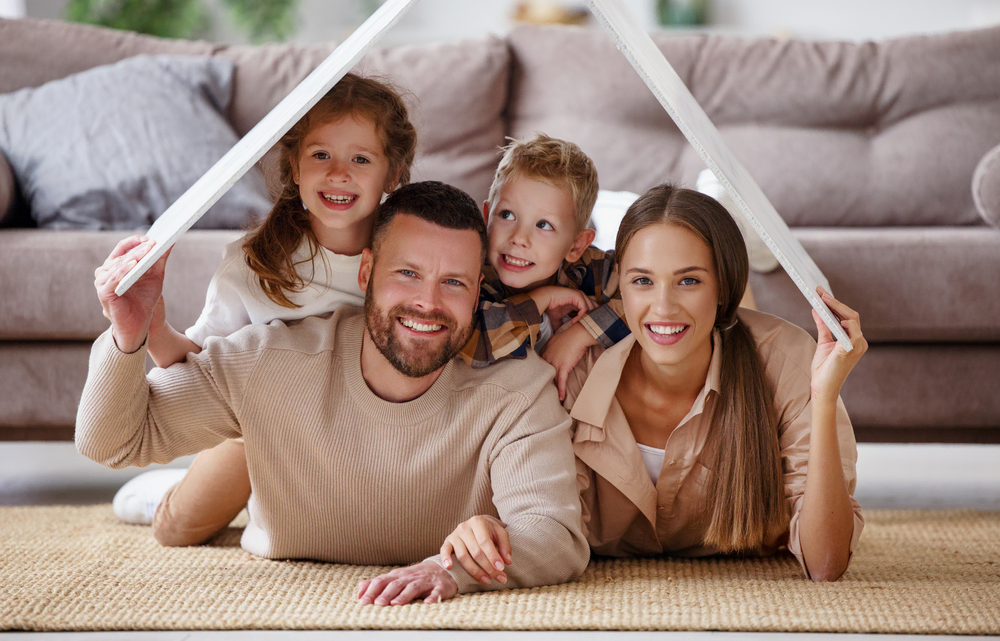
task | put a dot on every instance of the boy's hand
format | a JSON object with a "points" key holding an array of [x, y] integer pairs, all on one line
{"points": [[564, 350], [552, 296], [481, 546]]}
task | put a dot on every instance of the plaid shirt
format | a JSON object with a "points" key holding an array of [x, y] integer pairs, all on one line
{"points": [[507, 327]]}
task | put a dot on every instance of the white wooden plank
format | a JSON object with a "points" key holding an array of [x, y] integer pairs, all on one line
{"points": [[633, 41], [179, 217]]}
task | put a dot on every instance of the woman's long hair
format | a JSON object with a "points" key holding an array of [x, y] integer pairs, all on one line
{"points": [[746, 485], [270, 248]]}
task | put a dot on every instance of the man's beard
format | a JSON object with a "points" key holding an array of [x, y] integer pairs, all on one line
{"points": [[412, 363]]}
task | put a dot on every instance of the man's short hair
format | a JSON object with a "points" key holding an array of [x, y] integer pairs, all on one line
{"points": [[435, 202], [552, 161]]}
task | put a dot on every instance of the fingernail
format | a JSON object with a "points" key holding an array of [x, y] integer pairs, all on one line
{"points": [[498, 565], [485, 580], [446, 563], [502, 578], [380, 601]]}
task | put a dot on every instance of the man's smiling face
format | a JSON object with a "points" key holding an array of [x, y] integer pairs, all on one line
{"points": [[421, 293]]}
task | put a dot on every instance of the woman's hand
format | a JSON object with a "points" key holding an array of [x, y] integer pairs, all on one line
{"points": [[481, 546], [832, 363]]}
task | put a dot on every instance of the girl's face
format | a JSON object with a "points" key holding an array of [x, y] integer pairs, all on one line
{"points": [[342, 172], [670, 292]]}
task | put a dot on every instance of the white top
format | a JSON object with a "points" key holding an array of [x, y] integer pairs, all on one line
{"points": [[235, 299], [653, 458], [544, 333]]}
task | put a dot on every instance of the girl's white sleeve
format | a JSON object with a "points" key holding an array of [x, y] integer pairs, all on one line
{"points": [[226, 309]]}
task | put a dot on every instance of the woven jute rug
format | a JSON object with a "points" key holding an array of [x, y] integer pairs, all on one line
{"points": [[78, 568]]}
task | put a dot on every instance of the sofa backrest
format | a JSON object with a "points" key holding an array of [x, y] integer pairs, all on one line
{"points": [[835, 133], [457, 92]]}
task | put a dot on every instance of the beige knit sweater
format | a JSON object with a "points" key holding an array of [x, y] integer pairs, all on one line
{"points": [[339, 474]]}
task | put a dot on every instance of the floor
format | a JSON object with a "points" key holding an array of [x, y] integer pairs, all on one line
{"points": [[889, 476]]}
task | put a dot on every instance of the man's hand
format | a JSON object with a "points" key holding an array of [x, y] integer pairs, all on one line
{"points": [[130, 314], [482, 546], [564, 350], [426, 580]]}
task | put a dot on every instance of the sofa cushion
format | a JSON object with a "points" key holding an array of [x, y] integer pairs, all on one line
{"points": [[45, 298], [458, 114], [835, 133], [114, 146], [986, 187], [929, 284]]}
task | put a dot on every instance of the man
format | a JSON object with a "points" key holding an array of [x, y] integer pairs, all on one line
{"points": [[366, 441]]}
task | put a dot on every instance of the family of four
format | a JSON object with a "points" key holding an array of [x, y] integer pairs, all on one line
{"points": [[372, 377]]}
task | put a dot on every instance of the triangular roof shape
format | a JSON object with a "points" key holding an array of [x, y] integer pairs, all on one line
{"points": [[630, 38]]}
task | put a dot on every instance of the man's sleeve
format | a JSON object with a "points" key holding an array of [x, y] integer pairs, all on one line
{"points": [[596, 275], [126, 419], [533, 474]]}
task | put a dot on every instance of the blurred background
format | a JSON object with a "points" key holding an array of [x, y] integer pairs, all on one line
{"points": [[241, 21]]}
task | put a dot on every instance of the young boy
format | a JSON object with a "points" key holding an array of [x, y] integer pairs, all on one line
{"points": [[541, 265]]}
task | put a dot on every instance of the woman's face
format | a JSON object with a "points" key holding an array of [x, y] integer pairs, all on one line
{"points": [[671, 293]]}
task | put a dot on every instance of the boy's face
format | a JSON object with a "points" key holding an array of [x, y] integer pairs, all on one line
{"points": [[531, 231]]}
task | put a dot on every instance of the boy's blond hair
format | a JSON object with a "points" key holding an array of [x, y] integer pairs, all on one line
{"points": [[555, 162]]}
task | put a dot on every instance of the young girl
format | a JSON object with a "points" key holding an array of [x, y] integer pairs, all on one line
{"points": [[711, 429], [336, 163]]}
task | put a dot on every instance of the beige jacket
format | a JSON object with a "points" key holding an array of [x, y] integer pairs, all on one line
{"points": [[624, 513]]}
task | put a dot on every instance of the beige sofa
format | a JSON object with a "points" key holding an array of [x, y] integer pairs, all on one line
{"points": [[867, 150]]}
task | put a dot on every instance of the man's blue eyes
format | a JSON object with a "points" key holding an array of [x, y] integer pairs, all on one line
{"points": [[412, 274]]}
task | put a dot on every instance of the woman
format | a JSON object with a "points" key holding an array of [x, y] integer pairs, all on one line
{"points": [[711, 429]]}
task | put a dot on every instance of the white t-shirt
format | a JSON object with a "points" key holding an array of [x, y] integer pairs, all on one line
{"points": [[235, 299], [653, 458]]}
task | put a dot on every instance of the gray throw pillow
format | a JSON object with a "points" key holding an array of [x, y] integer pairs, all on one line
{"points": [[114, 146]]}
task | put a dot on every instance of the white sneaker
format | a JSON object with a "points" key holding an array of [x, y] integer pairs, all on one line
{"points": [[137, 500]]}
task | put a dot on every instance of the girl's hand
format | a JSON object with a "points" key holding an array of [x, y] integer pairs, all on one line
{"points": [[832, 363], [159, 321], [482, 547]]}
